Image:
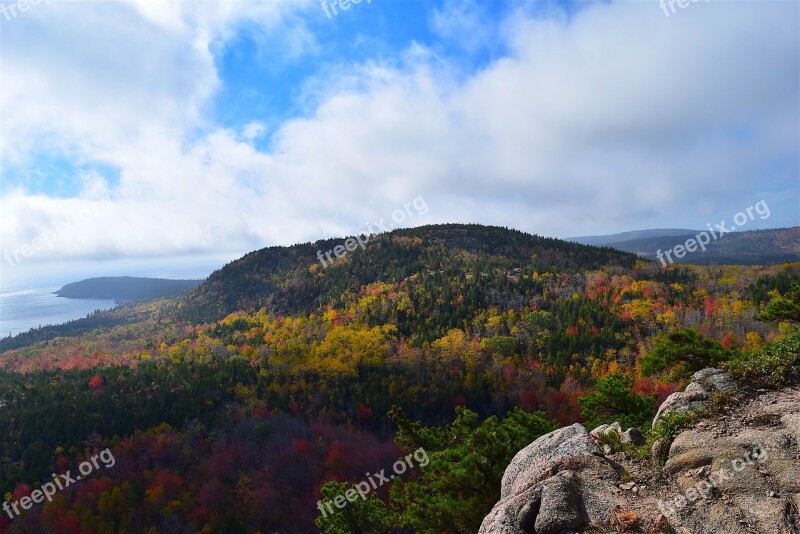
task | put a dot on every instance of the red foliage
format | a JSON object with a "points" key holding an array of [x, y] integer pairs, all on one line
{"points": [[321, 430], [646, 386], [96, 485], [335, 460], [302, 446], [529, 401], [364, 414], [563, 406], [664, 391], [171, 482], [96, 382], [709, 303], [22, 490], [509, 372], [557, 398], [63, 464], [728, 340], [643, 386], [66, 524], [261, 412]]}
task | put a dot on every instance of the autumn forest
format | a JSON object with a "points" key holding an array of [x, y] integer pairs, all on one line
{"points": [[277, 382]]}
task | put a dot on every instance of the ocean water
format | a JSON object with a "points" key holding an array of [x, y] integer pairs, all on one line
{"points": [[26, 291], [30, 307]]}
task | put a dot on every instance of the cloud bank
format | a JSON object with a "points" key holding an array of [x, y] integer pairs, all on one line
{"points": [[611, 118]]}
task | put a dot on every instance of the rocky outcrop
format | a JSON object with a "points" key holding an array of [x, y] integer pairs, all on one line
{"points": [[560, 482], [696, 395], [737, 471], [614, 431]]}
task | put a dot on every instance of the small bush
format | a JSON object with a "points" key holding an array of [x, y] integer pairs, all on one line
{"points": [[614, 400], [682, 353], [673, 423], [669, 425], [776, 365], [611, 438]]}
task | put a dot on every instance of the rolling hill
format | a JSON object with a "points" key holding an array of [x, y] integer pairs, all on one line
{"points": [[754, 247], [292, 279]]}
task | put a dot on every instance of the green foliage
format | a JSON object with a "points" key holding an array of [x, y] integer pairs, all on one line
{"points": [[777, 365], [785, 308], [461, 481], [683, 353], [669, 425], [611, 438], [41, 409], [614, 401], [364, 516], [673, 423], [782, 281], [502, 345]]}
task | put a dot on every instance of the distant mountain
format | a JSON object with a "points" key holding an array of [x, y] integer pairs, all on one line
{"points": [[125, 288], [754, 247], [293, 279], [608, 240]]}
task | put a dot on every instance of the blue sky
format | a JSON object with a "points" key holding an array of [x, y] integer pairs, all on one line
{"points": [[215, 128]]}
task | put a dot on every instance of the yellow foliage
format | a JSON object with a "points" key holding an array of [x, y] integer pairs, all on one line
{"points": [[346, 347], [155, 495], [752, 342], [455, 346], [639, 309], [666, 317]]}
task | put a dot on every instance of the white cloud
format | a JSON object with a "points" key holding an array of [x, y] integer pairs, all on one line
{"points": [[253, 130], [465, 22], [616, 118]]}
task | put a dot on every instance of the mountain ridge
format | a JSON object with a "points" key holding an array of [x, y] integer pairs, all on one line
{"points": [[629, 235], [744, 247]]}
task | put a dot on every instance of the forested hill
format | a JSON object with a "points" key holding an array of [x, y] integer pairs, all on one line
{"points": [[754, 247], [124, 288], [443, 260]]}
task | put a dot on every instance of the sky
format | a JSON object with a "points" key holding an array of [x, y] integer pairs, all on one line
{"points": [[145, 130]]}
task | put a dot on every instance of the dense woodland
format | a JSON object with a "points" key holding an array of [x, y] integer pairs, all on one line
{"points": [[238, 406]]}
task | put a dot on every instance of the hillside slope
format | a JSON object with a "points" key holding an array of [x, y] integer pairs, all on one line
{"points": [[293, 280]]}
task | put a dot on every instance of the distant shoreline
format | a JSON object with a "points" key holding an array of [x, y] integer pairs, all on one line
{"points": [[124, 288]]}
